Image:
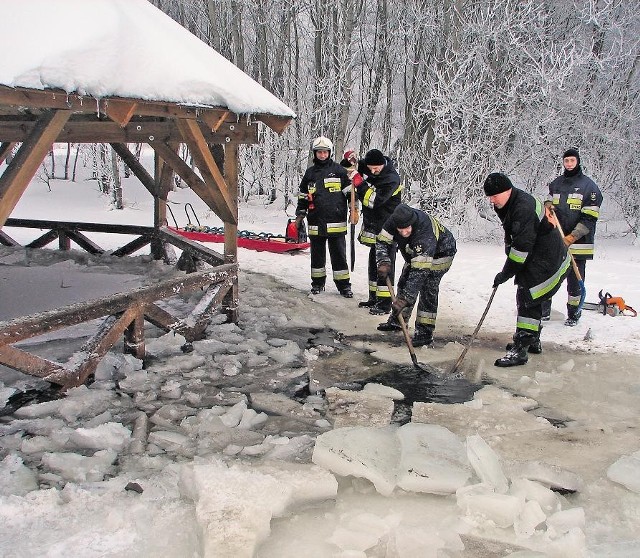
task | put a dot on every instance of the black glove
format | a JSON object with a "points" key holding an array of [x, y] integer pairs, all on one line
{"points": [[398, 305], [501, 277], [384, 268]]}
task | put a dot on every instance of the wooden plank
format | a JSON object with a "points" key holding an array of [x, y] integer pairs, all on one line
{"points": [[107, 336], [231, 231], [277, 123], [136, 166], [27, 160], [6, 240], [134, 336], [228, 208], [201, 315], [29, 326], [106, 131], [84, 242], [214, 120], [31, 364], [161, 318], [185, 172], [133, 246], [194, 248], [79, 226], [42, 241], [5, 150], [120, 110]]}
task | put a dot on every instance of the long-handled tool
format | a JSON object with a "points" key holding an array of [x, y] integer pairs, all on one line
{"points": [[405, 332], [354, 217], [473, 335], [574, 265]]}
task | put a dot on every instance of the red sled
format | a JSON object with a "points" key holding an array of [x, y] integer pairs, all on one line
{"points": [[259, 243]]}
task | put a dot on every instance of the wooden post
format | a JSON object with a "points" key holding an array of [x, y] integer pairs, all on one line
{"points": [[230, 302]]}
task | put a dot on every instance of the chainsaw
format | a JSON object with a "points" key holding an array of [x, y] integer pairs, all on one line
{"points": [[611, 306]]}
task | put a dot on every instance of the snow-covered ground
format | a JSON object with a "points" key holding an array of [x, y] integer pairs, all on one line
{"points": [[229, 463]]}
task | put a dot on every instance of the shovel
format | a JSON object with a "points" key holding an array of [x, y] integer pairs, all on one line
{"points": [[405, 332], [473, 335]]}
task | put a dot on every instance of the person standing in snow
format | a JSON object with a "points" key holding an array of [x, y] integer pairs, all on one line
{"points": [[428, 249], [536, 256], [378, 188], [576, 200], [322, 199]]}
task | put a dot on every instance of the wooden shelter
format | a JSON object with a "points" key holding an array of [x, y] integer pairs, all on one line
{"points": [[33, 119]]}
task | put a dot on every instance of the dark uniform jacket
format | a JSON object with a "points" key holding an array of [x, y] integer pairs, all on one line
{"points": [[323, 195], [430, 248], [379, 196], [577, 200], [536, 254]]}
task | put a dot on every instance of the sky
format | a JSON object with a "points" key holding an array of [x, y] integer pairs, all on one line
{"points": [[210, 454]]}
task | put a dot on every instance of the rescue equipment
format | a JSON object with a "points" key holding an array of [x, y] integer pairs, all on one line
{"points": [[611, 306]]}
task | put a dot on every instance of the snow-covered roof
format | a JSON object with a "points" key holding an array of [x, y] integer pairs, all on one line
{"points": [[121, 48]]}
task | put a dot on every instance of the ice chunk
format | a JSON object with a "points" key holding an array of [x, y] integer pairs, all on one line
{"points": [[364, 452], [78, 468], [570, 545], [552, 476], [626, 471], [486, 464], [530, 517], [432, 459], [358, 408], [501, 509], [563, 521], [534, 491], [111, 435], [15, 478], [361, 531], [233, 416], [384, 391]]}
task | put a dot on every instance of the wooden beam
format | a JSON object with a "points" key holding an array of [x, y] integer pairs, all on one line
{"points": [[31, 364], [120, 110], [201, 153], [277, 123], [39, 324], [184, 171], [106, 131], [194, 248], [214, 120], [136, 166], [6, 240], [27, 160], [5, 150]]}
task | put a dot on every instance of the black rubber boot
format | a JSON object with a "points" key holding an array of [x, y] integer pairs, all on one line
{"points": [[572, 316], [536, 346], [346, 292], [391, 324], [317, 289], [517, 355], [383, 306], [368, 303], [422, 338], [546, 311]]}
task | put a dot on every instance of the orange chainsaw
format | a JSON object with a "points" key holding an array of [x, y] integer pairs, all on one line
{"points": [[611, 305]]}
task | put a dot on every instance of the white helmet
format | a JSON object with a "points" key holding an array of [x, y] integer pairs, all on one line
{"points": [[322, 143]]}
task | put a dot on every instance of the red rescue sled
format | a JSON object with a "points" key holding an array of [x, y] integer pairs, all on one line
{"points": [[259, 243]]}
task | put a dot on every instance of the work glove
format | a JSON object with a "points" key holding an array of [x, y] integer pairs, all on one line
{"points": [[398, 305], [350, 155], [384, 269], [501, 277], [548, 203], [569, 240], [357, 180]]}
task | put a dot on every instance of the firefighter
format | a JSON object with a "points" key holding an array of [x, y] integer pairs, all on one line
{"points": [[323, 200], [576, 200], [378, 188], [536, 256], [428, 249]]}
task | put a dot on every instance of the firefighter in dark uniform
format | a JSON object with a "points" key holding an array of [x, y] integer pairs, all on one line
{"points": [[378, 188], [536, 256], [576, 200], [323, 195], [428, 249]]}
